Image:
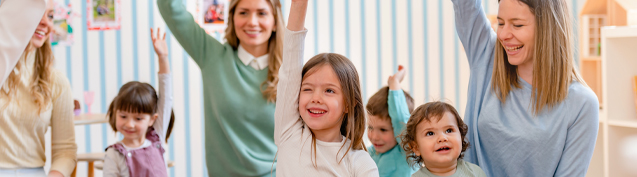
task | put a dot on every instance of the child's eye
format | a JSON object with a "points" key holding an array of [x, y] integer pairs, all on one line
{"points": [[139, 118], [500, 24], [329, 91], [306, 89], [383, 130], [449, 130], [429, 134], [370, 128]]}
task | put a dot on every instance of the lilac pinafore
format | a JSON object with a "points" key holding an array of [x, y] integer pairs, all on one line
{"points": [[148, 161]]}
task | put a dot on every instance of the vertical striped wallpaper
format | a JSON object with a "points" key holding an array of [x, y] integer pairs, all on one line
{"points": [[377, 35]]}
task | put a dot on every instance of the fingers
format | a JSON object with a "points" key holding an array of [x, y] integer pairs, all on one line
{"points": [[164, 38], [151, 34]]}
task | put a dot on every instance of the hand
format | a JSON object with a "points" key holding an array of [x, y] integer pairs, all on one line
{"points": [[55, 174], [296, 18], [159, 42], [394, 80]]}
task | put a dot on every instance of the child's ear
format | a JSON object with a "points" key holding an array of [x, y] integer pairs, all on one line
{"points": [[153, 119], [414, 147]]}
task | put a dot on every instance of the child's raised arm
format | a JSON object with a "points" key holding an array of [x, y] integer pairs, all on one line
{"points": [[165, 101], [286, 114], [397, 103]]}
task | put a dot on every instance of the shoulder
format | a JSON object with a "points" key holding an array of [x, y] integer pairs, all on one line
{"points": [[581, 99], [113, 153], [362, 161]]}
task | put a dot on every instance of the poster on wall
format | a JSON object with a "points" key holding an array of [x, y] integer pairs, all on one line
{"points": [[212, 15], [103, 14], [62, 19]]}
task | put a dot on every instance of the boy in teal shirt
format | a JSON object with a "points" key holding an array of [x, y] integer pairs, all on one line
{"points": [[388, 110]]}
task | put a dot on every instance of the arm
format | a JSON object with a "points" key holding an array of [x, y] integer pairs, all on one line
{"points": [[165, 102], [397, 103], [580, 140], [190, 35], [286, 113], [18, 18], [63, 147], [474, 30]]}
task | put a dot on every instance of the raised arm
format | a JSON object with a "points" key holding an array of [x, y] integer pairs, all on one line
{"points": [[18, 20], [165, 102], [397, 103], [474, 31], [580, 140], [287, 112], [190, 35]]}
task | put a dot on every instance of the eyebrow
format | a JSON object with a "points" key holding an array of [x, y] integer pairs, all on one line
{"points": [[513, 19], [328, 84], [259, 9]]}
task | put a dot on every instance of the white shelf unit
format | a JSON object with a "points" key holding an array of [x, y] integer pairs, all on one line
{"points": [[618, 116]]}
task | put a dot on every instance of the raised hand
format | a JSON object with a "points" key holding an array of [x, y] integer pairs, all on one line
{"points": [[394, 80], [296, 19], [159, 43]]}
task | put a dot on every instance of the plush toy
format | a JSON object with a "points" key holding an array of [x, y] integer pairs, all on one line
{"points": [[77, 110]]}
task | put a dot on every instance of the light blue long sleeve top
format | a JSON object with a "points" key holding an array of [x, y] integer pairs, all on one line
{"points": [[393, 162], [507, 139]]}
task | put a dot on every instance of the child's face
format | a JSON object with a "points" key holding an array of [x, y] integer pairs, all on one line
{"points": [[321, 102], [381, 133], [439, 143], [133, 125]]}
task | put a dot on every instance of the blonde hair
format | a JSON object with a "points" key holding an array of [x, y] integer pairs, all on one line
{"points": [[353, 124], [553, 69], [275, 46], [41, 80]]}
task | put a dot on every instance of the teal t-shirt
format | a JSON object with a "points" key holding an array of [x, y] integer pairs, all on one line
{"points": [[239, 122], [393, 163]]}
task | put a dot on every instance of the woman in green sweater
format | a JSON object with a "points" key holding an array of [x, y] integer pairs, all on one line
{"points": [[239, 81]]}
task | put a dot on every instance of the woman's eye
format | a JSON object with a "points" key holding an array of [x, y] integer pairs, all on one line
{"points": [[263, 13], [449, 131], [429, 133], [500, 24], [517, 26], [242, 13]]}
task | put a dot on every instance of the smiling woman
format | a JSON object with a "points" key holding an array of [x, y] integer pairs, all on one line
{"points": [[240, 81]]}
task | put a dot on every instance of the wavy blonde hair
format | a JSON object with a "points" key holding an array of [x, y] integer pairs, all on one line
{"points": [[40, 81], [553, 69], [275, 46]]}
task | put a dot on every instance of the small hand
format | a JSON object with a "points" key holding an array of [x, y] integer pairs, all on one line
{"points": [[159, 42], [394, 80], [55, 174]]}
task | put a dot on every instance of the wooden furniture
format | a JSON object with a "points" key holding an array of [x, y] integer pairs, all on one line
{"points": [[618, 116], [90, 158], [100, 165], [85, 119]]}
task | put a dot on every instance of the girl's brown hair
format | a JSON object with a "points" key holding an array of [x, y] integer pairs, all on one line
{"points": [[353, 124], [41, 80], [136, 97], [275, 46], [553, 69], [432, 111]]}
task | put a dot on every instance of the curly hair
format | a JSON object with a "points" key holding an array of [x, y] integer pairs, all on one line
{"points": [[427, 113]]}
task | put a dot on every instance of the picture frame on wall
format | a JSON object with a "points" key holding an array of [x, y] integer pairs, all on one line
{"points": [[103, 14], [213, 15]]}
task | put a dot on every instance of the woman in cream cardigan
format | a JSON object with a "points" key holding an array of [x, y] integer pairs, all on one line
{"points": [[34, 95]]}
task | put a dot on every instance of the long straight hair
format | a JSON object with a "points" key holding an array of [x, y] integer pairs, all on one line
{"points": [[553, 69], [353, 124], [40, 81], [275, 46]]}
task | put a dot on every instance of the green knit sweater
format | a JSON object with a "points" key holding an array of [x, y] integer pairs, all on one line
{"points": [[239, 122]]}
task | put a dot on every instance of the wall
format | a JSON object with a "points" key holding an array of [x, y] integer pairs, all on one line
{"points": [[376, 35]]}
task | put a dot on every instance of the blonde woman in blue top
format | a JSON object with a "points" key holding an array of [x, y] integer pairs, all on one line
{"points": [[529, 112], [388, 110]]}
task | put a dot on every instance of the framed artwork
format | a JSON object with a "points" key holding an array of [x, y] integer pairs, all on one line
{"points": [[213, 15], [62, 20], [103, 14]]}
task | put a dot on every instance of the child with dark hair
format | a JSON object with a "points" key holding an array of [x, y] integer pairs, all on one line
{"points": [[387, 112], [435, 140]]}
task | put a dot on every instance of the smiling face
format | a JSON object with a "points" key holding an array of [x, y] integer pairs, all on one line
{"points": [[44, 28], [439, 143], [253, 22], [380, 133], [516, 32], [134, 125], [321, 102]]}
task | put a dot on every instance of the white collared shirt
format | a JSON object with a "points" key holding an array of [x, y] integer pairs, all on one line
{"points": [[257, 63]]}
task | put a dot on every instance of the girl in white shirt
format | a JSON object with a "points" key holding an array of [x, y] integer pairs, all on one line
{"points": [[319, 117]]}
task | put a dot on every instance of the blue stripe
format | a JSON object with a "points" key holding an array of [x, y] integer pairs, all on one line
{"points": [[363, 52], [87, 128], [410, 54], [203, 132], [379, 67], [457, 69], [426, 49], [331, 18], [171, 145], [486, 6], [316, 39], [103, 86], [575, 32], [187, 110], [442, 56], [135, 55], [151, 49], [69, 66], [347, 47], [282, 8], [118, 43], [394, 36]]}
